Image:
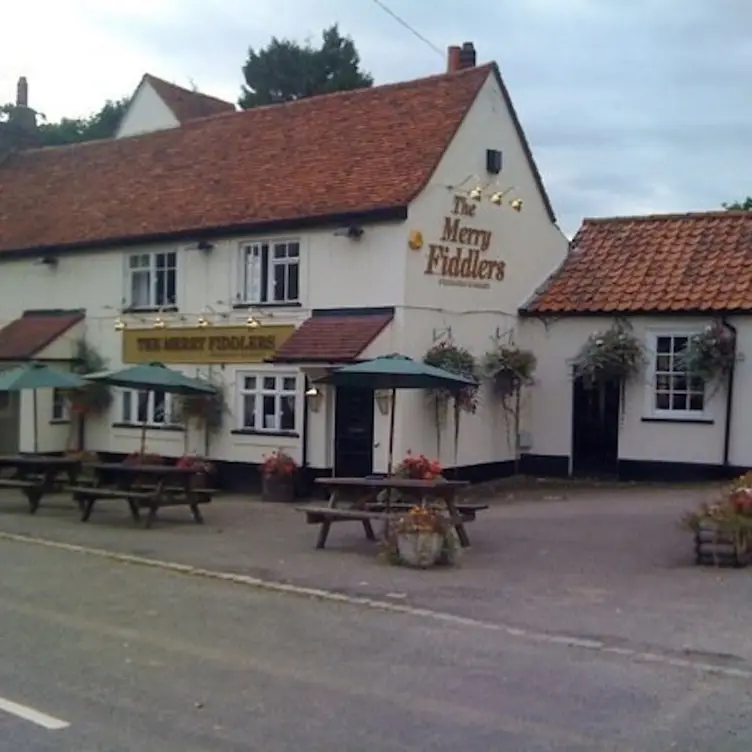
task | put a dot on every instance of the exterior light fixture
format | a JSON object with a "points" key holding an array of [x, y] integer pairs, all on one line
{"points": [[516, 204], [159, 323], [252, 323], [202, 322], [383, 401], [314, 398], [119, 325], [476, 194]]}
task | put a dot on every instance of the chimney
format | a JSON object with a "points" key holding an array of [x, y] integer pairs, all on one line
{"points": [[467, 55], [453, 58], [22, 92], [20, 130]]}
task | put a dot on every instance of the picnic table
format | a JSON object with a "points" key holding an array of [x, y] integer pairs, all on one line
{"points": [[358, 500], [149, 487], [37, 474]]}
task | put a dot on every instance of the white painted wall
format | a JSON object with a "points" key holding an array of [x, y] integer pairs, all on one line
{"points": [[530, 246], [147, 113], [550, 413]]}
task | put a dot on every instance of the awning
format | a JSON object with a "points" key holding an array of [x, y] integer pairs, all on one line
{"points": [[24, 338], [333, 337]]}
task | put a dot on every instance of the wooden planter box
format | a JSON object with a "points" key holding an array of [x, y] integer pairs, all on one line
{"points": [[715, 546], [278, 489]]}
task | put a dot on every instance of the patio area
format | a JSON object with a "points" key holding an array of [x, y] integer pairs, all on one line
{"points": [[604, 562]]}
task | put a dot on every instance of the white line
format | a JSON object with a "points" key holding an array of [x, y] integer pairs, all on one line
{"points": [[33, 716]]}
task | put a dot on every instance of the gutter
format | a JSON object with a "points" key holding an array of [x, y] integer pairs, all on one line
{"points": [[729, 397], [304, 437]]}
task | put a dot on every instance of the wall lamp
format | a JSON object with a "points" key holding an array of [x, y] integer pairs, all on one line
{"points": [[353, 232], [314, 398], [383, 400]]}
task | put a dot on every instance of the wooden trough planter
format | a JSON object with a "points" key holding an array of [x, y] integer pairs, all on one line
{"points": [[718, 546]]}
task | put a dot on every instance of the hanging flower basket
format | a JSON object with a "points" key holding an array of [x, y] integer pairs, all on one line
{"points": [[456, 360], [508, 368], [613, 354], [711, 354], [207, 409], [278, 477]]}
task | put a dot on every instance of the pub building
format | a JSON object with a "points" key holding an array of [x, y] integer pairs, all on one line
{"points": [[260, 249]]}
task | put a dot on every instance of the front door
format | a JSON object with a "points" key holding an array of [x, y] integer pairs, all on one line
{"points": [[10, 422], [595, 429], [353, 432]]}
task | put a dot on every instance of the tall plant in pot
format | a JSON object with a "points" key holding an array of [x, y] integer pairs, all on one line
{"points": [[278, 475], [91, 400]]}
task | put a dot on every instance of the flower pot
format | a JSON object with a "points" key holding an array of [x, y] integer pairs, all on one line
{"points": [[419, 549], [716, 545], [278, 489]]}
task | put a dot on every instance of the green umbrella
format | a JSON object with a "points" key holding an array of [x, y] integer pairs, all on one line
{"points": [[38, 376], [153, 377], [397, 372]]}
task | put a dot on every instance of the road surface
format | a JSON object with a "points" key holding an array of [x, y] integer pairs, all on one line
{"points": [[100, 656]]}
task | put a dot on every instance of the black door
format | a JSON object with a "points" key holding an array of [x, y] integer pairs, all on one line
{"points": [[595, 428], [353, 432]]}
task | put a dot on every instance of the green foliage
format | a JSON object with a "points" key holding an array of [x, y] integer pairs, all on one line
{"points": [[207, 409], [745, 205], [710, 355], [457, 360], [94, 398], [102, 124], [285, 71], [508, 368], [613, 354]]}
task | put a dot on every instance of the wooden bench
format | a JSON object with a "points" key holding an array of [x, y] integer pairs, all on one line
{"points": [[326, 516], [32, 489], [138, 498], [467, 512]]}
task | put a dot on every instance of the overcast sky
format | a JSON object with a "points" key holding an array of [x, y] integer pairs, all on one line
{"points": [[631, 106]]}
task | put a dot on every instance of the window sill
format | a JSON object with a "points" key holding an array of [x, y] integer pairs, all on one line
{"points": [[151, 309], [150, 427], [60, 422], [255, 432], [691, 421], [247, 306]]}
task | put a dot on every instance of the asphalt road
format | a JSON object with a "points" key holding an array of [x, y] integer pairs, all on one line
{"points": [[123, 659]]}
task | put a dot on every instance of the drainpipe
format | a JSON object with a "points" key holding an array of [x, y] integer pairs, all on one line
{"points": [[729, 398], [304, 438]]}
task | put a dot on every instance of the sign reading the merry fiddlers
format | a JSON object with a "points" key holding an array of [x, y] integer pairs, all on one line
{"points": [[460, 258]]}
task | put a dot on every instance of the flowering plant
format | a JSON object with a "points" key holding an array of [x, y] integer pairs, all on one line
{"points": [[733, 512], [198, 464], [421, 520], [612, 354], [278, 463], [418, 467], [508, 368], [710, 355], [456, 360]]}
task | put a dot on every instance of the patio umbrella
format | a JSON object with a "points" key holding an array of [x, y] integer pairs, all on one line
{"points": [[152, 377], [397, 372], [38, 376]]}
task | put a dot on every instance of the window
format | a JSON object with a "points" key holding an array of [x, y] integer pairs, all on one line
{"points": [[152, 280], [675, 392], [267, 403], [60, 411], [270, 272], [147, 408]]}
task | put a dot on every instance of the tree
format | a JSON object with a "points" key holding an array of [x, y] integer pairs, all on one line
{"points": [[285, 70], [102, 124], [745, 205]]}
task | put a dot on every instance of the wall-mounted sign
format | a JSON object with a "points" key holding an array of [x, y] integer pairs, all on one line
{"points": [[461, 257], [196, 345]]}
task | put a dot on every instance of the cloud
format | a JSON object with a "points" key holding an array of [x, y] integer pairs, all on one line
{"points": [[630, 107]]}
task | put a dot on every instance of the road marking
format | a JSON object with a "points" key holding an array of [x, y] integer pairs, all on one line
{"points": [[33, 716], [668, 658]]}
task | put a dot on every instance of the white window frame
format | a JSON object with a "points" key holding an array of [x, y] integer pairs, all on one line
{"points": [[654, 374], [271, 422], [257, 262], [60, 407], [147, 263], [129, 408]]}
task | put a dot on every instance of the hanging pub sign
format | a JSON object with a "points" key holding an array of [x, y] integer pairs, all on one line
{"points": [[204, 345], [460, 258]]}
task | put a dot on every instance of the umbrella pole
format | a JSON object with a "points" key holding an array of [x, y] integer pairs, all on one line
{"points": [[390, 460], [35, 420], [143, 439]]}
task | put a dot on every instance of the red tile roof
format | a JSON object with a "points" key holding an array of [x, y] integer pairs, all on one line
{"points": [[26, 337], [334, 338], [661, 263], [186, 104], [350, 152]]}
